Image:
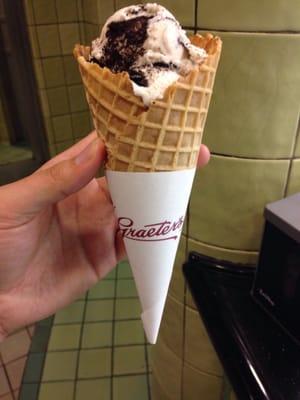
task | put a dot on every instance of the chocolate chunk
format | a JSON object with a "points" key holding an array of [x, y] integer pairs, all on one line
{"points": [[138, 77], [124, 45]]}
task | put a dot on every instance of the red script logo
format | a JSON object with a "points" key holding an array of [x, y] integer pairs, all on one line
{"points": [[165, 230]]}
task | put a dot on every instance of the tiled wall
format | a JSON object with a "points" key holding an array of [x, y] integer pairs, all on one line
{"points": [[251, 131], [54, 27]]}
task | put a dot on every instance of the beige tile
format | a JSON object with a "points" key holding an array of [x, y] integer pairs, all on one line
{"points": [[77, 98], [172, 325], [62, 127], [163, 359], [294, 178], [53, 71], [105, 10], [197, 385], [29, 12], [229, 197], [184, 11], [58, 101], [69, 36], [221, 253], [71, 70], [81, 124], [44, 11], [34, 41], [199, 351], [254, 15], [67, 10], [48, 39], [177, 281], [255, 105]]}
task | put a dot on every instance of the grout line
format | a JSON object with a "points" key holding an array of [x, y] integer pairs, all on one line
{"points": [[79, 347], [71, 350], [7, 378], [96, 322], [147, 368], [253, 158]]}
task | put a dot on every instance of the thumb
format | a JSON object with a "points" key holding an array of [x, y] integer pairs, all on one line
{"points": [[50, 185]]}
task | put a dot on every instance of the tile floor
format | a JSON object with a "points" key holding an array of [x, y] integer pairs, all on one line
{"points": [[93, 349]]}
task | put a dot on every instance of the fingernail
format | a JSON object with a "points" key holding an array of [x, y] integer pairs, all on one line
{"points": [[88, 153]]}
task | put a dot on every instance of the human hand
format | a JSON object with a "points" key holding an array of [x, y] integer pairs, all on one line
{"points": [[58, 235]]}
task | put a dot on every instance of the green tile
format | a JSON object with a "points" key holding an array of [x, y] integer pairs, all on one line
{"points": [[130, 388], [129, 360], [103, 289], [124, 270], [60, 366], [64, 337], [34, 44], [127, 308], [105, 10], [62, 127], [81, 124], [294, 178], [48, 39], [34, 368], [93, 389], [91, 31], [94, 363], [254, 15], [184, 11], [255, 102], [44, 11], [29, 12], [39, 74], [177, 281], [69, 36], [228, 199], [29, 391], [128, 332], [222, 253], [71, 70], [90, 11], [112, 274], [99, 310], [56, 390], [67, 11], [77, 98], [72, 313], [53, 71], [44, 103], [58, 101], [62, 146], [126, 288], [97, 334]]}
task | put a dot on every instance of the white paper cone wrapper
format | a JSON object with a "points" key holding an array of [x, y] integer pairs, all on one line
{"points": [[150, 208]]}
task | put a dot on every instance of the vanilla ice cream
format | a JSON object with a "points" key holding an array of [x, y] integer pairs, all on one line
{"points": [[147, 42]]}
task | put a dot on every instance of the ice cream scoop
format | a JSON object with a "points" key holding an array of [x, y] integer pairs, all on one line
{"points": [[147, 42]]}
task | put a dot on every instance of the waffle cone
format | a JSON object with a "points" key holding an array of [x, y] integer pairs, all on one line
{"points": [[165, 136]]}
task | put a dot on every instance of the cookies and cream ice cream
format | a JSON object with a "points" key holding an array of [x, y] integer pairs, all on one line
{"points": [[147, 42]]}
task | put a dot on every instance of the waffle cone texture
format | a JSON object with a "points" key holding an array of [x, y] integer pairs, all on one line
{"points": [[166, 136]]}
